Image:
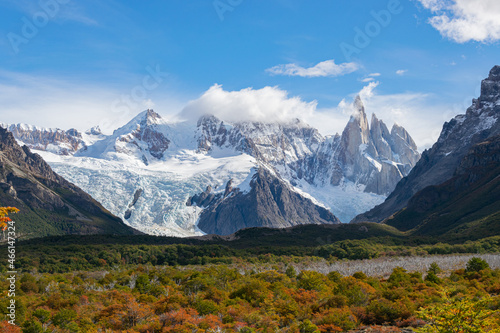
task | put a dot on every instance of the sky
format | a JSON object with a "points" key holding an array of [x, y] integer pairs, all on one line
{"points": [[76, 64]]}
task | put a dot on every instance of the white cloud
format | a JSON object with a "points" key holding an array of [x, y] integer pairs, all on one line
{"points": [[368, 79], [417, 112], [326, 68], [374, 74], [368, 91], [269, 104], [401, 71], [466, 20]]}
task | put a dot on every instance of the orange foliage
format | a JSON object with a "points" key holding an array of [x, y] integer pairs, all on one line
{"points": [[4, 219], [5, 327]]}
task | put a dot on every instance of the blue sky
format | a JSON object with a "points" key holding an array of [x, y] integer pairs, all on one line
{"points": [[101, 62]]}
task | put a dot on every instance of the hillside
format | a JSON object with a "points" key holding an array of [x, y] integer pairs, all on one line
{"points": [[49, 205]]}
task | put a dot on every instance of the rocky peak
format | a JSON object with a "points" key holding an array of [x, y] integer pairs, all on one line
{"points": [[490, 87], [381, 137], [371, 156], [399, 132], [54, 140], [270, 203], [439, 163], [151, 118], [96, 130]]}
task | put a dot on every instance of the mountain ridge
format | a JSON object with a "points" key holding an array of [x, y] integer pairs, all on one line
{"points": [[49, 204], [171, 162], [438, 164]]}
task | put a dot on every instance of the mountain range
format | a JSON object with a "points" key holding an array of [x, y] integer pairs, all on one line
{"points": [[49, 205], [153, 173], [210, 176], [455, 183]]}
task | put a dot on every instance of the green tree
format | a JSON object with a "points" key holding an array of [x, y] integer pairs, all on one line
{"points": [[476, 265], [307, 327]]}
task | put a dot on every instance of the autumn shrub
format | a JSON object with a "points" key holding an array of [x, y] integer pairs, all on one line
{"points": [[383, 311], [339, 317], [32, 326], [205, 307], [432, 278], [28, 283], [64, 317], [334, 276], [357, 292], [399, 277], [455, 315], [307, 327], [254, 291], [311, 280]]}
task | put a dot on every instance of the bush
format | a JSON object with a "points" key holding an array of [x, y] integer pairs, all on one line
{"points": [[206, 307], [476, 265], [310, 280], [64, 317], [432, 278], [359, 276], [307, 327], [399, 276]]}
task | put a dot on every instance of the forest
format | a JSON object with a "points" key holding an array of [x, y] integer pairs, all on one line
{"points": [[258, 297]]}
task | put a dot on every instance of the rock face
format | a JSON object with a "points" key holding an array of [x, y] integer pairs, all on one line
{"points": [[439, 164], [48, 139], [467, 206], [372, 157], [269, 202], [144, 137], [49, 204]]}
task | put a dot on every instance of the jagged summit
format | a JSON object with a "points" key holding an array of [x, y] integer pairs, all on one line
{"points": [[439, 163], [96, 130]]}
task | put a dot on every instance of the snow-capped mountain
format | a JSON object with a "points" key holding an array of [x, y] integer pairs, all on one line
{"points": [[148, 169], [53, 140], [439, 164]]}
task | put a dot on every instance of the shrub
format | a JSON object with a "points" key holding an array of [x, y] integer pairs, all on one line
{"points": [[359, 276], [476, 265], [307, 327], [432, 278], [206, 307], [310, 280], [458, 315]]}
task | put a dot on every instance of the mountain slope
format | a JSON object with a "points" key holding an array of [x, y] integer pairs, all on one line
{"points": [[49, 204], [466, 207], [266, 202], [438, 164]]}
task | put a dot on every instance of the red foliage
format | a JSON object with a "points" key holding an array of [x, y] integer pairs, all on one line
{"points": [[5, 327]]}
